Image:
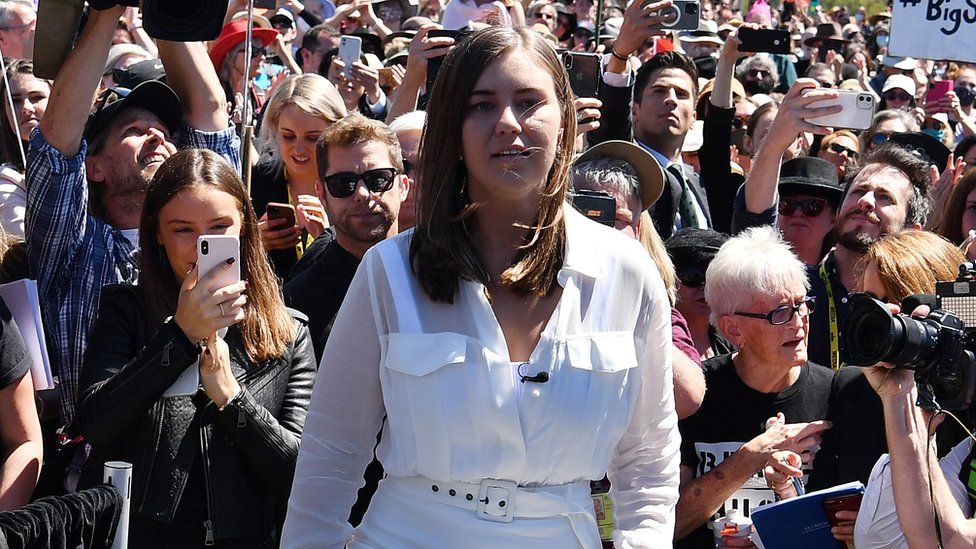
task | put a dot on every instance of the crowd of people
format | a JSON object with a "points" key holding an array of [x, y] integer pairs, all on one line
{"points": [[468, 306]]}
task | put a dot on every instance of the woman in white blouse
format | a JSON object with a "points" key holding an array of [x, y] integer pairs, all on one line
{"points": [[515, 349]]}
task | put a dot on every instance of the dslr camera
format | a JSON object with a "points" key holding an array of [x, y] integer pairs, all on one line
{"points": [[938, 348], [681, 15]]}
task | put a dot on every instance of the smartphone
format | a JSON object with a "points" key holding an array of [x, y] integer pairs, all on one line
{"points": [[681, 15], [764, 40], [584, 72], [938, 90], [350, 50], [849, 502], [857, 110], [212, 251], [277, 210], [596, 205]]}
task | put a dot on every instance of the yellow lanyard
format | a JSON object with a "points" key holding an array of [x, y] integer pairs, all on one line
{"points": [[835, 363], [306, 240]]}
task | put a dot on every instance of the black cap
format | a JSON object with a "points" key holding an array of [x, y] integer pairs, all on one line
{"points": [[153, 96], [137, 73], [693, 246], [371, 44], [925, 146], [810, 175]]}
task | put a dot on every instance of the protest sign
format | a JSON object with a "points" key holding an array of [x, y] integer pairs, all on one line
{"points": [[934, 29]]}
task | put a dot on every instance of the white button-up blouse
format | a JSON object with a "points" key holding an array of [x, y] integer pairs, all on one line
{"points": [[441, 376]]}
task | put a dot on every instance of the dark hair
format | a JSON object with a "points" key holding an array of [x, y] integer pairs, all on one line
{"points": [[9, 148], [355, 129], [441, 251], [915, 169], [311, 38], [950, 226], [666, 60], [267, 328], [963, 146]]}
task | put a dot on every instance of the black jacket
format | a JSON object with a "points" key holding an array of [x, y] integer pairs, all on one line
{"points": [[615, 123], [248, 451]]}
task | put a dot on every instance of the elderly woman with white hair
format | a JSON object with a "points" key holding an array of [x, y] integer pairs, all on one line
{"points": [[757, 290]]}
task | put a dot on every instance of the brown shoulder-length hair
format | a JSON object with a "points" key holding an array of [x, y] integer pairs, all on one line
{"points": [[267, 328], [950, 225], [911, 262], [441, 251]]}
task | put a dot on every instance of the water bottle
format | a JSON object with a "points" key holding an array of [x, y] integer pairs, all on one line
{"points": [[733, 525]]}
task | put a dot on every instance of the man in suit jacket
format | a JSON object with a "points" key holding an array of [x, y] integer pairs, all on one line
{"points": [[655, 109]]}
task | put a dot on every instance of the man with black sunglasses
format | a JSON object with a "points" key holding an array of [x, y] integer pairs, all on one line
{"points": [[87, 177], [362, 189]]}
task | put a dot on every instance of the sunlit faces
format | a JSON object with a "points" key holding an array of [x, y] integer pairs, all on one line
{"points": [[875, 205], [799, 227], [192, 212], [297, 133], [511, 130], [30, 97], [784, 345], [667, 107], [136, 145], [840, 151], [363, 218]]}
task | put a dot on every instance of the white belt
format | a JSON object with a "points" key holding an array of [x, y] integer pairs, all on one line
{"points": [[500, 500]]}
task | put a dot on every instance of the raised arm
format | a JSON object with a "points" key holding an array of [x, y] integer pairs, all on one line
{"points": [[67, 109], [790, 122], [192, 76]]}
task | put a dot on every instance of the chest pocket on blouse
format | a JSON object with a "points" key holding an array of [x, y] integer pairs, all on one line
{"points": [[606, 352], [423, 354]]}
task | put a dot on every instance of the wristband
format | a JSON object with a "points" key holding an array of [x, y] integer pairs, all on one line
{"points": [[614, 53]]}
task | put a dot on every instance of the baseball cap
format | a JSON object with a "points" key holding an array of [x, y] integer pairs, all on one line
{"points": [[153, 96], [282, 16], [900, 63], [140, 72], [901, 82], [649, 172]]}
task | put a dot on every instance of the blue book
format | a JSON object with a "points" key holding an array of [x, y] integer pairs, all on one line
{"points": [[801, 522]]}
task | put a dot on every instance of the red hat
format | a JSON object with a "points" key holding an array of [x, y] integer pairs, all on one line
{"points": [[233, 34]]}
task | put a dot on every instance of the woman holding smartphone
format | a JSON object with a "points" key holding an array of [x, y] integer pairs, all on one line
{"points": [[214, 467], [515, 349]]}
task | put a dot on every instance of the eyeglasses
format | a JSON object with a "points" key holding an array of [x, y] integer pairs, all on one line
{"points": [[21, 28], [739, 123], [784, 314], [408, 166], [880, 137], [897, 96], [757, 73], [343, 184], [691, 276], [809, 207], [544, 16], [257, 50], [825, 84], [840, 149]]}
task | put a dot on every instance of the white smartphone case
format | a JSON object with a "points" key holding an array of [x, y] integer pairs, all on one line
{"points": [[858, 111]]}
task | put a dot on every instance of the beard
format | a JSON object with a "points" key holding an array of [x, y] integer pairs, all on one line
{"points": [[856, 239], [372, 233]]}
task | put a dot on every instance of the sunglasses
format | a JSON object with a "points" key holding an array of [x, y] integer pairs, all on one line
{"points": [[897, 96], [840, 149], [343, 184], [758, 72], [739, 123], [544, 16], [880, 137], [408, 166], [809, 207], [258, 50], [691, 276], [784, 314]]}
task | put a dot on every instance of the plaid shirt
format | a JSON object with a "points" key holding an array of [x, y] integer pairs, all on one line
{"points": [[72, 254]]}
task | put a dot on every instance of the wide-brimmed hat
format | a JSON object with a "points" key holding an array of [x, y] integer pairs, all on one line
{"points": [[706, 33], [878, 17], [153, 96], [118, 51], [233, 34], [649, 172], [924, 146], [810, 175], [827, 33]]}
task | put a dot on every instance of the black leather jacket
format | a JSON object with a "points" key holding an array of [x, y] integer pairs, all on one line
{"points": [[248, 450]]}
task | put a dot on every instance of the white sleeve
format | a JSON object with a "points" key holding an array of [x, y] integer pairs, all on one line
{"points": [[345, 413], [644, 468], [877, 525], [13, 208], [614, 79]]}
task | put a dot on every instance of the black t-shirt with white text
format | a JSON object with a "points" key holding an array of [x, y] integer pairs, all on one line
{"points": [[732, 414]]}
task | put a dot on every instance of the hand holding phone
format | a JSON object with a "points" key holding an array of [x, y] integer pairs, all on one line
{"points": [[764, 40], [584, 72], [857, 110], [350, 50], [842, 513], [280, 215], [936, 99]]}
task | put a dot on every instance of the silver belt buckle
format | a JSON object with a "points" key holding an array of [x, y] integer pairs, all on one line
{"points": [[495, 500]]}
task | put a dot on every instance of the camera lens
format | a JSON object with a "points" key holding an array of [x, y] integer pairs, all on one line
{"points": [[204, 247], [872, 334], [691, 9], [670, 15]]}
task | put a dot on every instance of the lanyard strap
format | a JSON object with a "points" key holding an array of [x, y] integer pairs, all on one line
{"points": [[305, 240], [832, 318]]}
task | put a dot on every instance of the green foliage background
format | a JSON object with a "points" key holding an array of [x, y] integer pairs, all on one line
{"points": [[872, 6]]}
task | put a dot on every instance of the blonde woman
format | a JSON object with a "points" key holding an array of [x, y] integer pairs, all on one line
{"points": [[300, 109]]}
